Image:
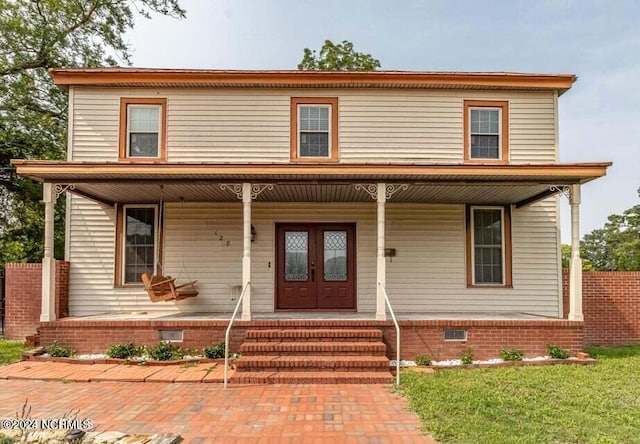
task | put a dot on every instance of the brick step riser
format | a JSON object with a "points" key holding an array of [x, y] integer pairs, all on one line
{"points": [[314, 369], [289, 349], [314, 352], [322, 380], [306, 365], [317, 335], [310, 339]]}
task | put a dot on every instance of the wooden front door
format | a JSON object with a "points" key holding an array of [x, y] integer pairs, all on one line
{"points": [[315, 267]]}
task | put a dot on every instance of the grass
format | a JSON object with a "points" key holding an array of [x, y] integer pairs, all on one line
{"points": [[597, 404], [10, 351]]}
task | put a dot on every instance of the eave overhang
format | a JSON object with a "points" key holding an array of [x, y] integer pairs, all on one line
{"points": [[118, 182], [140, 77]]}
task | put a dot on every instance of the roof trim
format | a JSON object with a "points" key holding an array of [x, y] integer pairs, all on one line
{"points": [[47, 170], [115, 77]]}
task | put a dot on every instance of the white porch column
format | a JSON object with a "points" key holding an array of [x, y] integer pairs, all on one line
{"points": [[381, 270], [47, 310], [246, 250], [575, 277]]}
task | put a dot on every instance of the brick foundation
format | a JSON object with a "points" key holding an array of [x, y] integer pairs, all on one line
{"points": [[486, 338], [611, 306], [23, 283]]}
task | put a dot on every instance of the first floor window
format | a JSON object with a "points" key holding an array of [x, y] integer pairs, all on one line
{"points": [[139, 242], [489, 246]]}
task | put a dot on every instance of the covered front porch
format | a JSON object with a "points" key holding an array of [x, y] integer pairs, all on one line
{"points": [[382, 201]]}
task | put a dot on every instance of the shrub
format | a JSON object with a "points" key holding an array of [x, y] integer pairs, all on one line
{"points": [[467, 357], [215, 351], [124, 351], [511, 354], [558, 352], [165, 351], [56, 350], [423, 360]]}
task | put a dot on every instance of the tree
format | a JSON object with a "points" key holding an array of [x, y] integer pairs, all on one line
{"points": [[340, 57], [36, 35], [616, 246]]}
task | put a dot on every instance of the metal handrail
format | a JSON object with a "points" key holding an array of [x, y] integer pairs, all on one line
{"points": [[395, 321], [226, 335]]}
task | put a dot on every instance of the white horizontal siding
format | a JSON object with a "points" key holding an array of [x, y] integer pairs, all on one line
{"points": [[203, 241], [212, 125]]}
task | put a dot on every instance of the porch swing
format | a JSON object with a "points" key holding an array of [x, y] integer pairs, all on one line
{"points": [[164, 288]]}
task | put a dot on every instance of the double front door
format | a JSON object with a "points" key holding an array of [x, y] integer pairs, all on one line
{"points": [[315, 267]]}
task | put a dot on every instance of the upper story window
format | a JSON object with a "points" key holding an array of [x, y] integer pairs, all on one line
{"points": [[314, 129], [142, 129], [486, 131], [488, 246]]}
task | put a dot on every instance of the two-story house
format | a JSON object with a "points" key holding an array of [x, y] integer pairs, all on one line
{"points": [[315, 196]]}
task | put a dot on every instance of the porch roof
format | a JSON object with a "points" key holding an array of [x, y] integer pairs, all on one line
{"points": [[482, 184]]}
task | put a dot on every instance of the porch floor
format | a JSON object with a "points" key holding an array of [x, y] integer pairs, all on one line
{"points": [[320, 316]]}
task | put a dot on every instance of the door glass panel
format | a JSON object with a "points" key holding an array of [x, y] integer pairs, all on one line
{"points": [[296, 253], [335, 255]]}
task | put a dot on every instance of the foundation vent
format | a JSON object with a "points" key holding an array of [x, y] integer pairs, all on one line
{"points": [[455, 335], [171, 335]]}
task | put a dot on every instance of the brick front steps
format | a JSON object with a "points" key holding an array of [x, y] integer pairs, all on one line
{"points": [[313, 356]]}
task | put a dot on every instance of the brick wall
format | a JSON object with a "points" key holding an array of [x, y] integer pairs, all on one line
{"points": [[485, 338], [611, 306], [23, 283]]}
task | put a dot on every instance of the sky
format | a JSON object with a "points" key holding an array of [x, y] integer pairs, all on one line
{"points": [[599, 41]]}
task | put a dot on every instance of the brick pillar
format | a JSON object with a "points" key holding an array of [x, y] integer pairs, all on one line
{"points": [[23, 293]]}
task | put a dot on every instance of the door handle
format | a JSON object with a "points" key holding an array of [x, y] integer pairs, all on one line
{"points": [[313, 274]]}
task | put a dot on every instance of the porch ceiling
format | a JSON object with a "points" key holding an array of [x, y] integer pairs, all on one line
{"points": [[456, 184]]}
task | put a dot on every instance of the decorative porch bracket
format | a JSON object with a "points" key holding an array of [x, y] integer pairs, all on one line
{"points": [[381, 192], [60, 188], [572, 193], [247, 192]]}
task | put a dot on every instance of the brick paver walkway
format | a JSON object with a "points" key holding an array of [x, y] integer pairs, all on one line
{"points": [[340, 413]]}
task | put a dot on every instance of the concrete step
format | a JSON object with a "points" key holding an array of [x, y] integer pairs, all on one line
{"points": [[324, 348], [294, 377], [314, 334], [313, 363]]}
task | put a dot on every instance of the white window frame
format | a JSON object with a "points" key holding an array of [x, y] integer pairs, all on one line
{"points": [[131, 106], [123, 249], [473, 247], [500, 131], [329, 131]]}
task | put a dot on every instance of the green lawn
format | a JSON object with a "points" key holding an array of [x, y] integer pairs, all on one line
{"points": [[552, 404], [10, 351]]}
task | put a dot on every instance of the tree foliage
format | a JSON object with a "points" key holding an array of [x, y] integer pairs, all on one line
{"points": [[337, 57], [36, 35], [616, 246]]}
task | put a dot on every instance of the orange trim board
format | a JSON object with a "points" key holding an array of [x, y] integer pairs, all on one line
{"points": [[88, 169], [141, 77]]}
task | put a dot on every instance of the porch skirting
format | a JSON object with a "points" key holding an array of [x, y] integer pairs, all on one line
{"points": [[485, 338]]}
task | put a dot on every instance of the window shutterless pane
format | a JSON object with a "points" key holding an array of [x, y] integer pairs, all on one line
{"points": [[314, 145], [487, 246], [485, 133], [139, 248], [144, 119], [313, 127], [143, 132]]}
